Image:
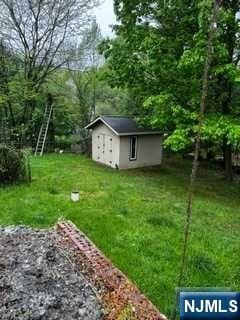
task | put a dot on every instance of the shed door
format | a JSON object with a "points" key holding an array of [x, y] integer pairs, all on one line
{"points": [[101, 147], [109, 150]]}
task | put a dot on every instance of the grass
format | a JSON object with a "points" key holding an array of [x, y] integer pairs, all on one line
{"points": [[137, 217]]}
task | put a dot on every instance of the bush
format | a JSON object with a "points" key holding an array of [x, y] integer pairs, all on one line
{"points": [[81, 141], [64, 142], [14, 165]]}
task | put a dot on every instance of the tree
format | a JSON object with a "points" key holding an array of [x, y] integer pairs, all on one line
{"points": [[41, 33], [5, 103], [227, 71], [159, 56], [213, 25], [83, 69]]}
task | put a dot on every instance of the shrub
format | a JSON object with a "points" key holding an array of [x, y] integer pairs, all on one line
{"points": [[14, 165], [64, 142], [81, 143]]}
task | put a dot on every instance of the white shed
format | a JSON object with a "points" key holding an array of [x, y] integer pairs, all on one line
{"points": [[120, 143]]}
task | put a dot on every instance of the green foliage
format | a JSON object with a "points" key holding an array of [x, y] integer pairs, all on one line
{"points": [[159, 55], [156, 114], [179, 140], [217, 127], [73, 104], [65, 142], [79, 94], [14, 165]]}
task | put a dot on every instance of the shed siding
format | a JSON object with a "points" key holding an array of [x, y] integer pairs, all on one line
{"points": [[149, 152], [109, 155]]}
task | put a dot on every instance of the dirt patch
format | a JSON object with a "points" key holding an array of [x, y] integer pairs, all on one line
{"points": [[38, 280]]}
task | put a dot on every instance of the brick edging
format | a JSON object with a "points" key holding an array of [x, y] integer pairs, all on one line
{"points": [[121, 297]]}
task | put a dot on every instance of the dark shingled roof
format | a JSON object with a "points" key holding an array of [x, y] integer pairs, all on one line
{"points": [[122, 125]]}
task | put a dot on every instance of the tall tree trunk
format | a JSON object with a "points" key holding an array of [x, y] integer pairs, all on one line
{"points": [[227, 154], [51, 134], [227, 148], [195, 165], [27, 134], [4, 83], [229, 37], [29, 107], [11, 115]]}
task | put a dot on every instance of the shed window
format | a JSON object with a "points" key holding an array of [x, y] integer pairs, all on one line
{"points": [[133, 148]]}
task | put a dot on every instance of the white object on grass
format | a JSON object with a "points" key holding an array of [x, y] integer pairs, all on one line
{"points": [[75, 196]]}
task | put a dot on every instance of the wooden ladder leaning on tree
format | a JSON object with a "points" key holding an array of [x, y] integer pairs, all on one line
{"points": [[43, 133]]}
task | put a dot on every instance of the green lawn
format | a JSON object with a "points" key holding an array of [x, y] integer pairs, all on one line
{"points": [[136, 218]]}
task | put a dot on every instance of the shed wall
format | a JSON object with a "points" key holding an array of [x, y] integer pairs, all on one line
{"points": [[149, 152], [105, 146]]}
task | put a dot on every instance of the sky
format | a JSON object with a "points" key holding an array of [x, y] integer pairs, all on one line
{"points": [[105, 16]]}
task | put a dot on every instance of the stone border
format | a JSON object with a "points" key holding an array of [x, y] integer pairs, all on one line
{"points": [[121, 298]]}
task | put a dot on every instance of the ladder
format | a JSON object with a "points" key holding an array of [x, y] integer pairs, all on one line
{"points": [[44, 130]]}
